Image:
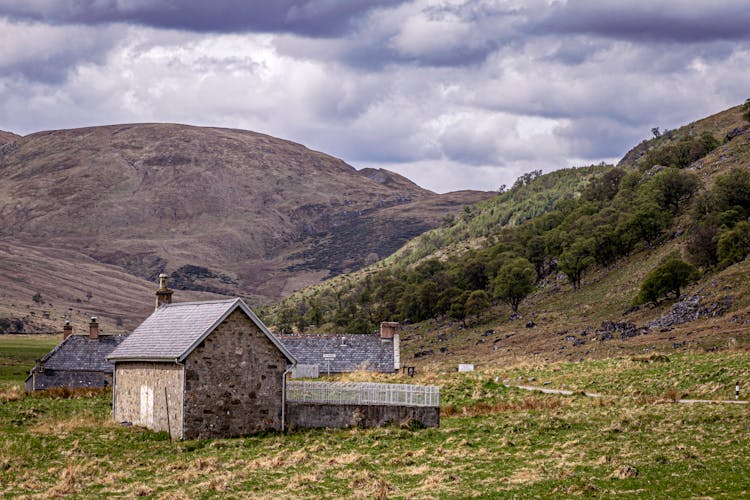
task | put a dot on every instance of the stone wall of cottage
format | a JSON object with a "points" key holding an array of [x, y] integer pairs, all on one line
{"points": [[233, 382], [324, 415], [145, 391]]}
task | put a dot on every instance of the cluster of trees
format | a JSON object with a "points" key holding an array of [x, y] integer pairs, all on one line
{"points": [[719, 234], [682, 152], [617, 213]]}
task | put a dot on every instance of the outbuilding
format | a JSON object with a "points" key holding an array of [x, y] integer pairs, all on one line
{"points": [[78, 361], [201, 370], [345, 353]]}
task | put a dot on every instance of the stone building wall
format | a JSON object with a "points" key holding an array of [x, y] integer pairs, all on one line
{"points": [[68, 378], [306, 415], [143, 392], [233, 382]]}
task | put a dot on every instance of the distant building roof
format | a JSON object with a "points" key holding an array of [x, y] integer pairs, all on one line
{"points": [[81, 353], [352, 352], [174, 330]]}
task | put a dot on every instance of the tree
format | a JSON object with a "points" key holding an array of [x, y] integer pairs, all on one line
{"points": [[514, 282], [359, 325], [732, 191], [605, 187], [457, 309], [673, 187], [474, 275], [734, 245], [285, 319], [647, 223], [574, 261], [746, 110], [477, 303], [314, 315], [701, 242], [669, 278], [536, 253]]}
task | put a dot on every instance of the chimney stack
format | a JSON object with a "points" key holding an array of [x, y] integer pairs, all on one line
{"points": [[67, 330], [389, 331], [93, 328], [163, 294]]}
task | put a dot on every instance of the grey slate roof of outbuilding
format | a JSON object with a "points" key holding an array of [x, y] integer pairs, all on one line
{"points": [[174, 330], [353, 352], [81, 353]]}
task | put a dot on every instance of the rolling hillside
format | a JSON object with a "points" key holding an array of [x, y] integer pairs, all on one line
{"points": [[602, 215], [222, 211]]}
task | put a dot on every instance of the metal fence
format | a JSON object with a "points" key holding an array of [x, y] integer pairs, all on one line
{"points": [[363, 393]]}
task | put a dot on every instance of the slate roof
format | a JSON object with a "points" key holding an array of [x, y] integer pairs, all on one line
{"points": [[353, 352], [174, 330], [81, 353]]}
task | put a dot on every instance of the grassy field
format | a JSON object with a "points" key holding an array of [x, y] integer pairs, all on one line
{"points": [[493, 441], [18, 353]]}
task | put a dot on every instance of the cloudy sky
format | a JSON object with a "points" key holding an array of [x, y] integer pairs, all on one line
{"points": [[454, 94]]}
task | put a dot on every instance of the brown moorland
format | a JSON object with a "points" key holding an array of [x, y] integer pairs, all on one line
{"points": [[223, 211]]}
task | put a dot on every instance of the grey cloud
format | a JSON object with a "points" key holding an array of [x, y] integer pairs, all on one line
{"points": [[38, 52], [311, 17], [594, 138], [639, 21]]}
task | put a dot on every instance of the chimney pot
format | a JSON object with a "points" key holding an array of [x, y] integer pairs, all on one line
{"points": [[67, 330], [93, 328], [163, 294]]}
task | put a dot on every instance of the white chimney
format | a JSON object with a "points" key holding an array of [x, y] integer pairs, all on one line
{"points": [[389, 331]]}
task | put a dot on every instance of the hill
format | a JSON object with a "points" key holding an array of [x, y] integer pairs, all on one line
{"points": [[223, 211], [588, 243]]}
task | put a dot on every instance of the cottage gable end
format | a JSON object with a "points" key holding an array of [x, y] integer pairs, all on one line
{"points": [[233, 381]]}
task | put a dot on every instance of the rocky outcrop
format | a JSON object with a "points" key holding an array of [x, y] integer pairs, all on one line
{"points": [[736, 132], [692, 308]]}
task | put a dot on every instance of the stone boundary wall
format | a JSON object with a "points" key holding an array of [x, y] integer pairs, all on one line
{"points": [[321, 415]]}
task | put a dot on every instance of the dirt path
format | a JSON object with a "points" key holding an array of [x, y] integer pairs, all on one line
{"points": [[566, 392]]}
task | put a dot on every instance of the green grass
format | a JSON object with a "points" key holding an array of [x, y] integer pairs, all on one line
{"points": [[18, 353], [493, 441], [686, 375]]}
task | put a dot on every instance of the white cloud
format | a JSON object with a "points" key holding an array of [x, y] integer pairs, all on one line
{"points": [[452, 94]]}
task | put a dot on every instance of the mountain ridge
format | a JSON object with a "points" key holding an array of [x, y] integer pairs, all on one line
{"points": [[223, 210]]}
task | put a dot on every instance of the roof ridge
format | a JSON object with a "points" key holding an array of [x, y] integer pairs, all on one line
{"points": [[199, 302]]}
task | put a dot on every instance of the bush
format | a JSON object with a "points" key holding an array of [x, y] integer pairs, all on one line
{"points": [[734, 245], [668, 278]]}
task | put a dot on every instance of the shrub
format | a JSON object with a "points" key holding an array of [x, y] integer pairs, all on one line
{"points": [[668, 278], [734, 245]]}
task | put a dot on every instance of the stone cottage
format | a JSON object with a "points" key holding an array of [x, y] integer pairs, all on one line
{"points": [[346, 353], [77, 361], [200, 370]]}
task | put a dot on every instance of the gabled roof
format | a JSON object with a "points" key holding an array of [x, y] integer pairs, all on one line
{"points": [[352, 352], [81, 353], [173, 331]]}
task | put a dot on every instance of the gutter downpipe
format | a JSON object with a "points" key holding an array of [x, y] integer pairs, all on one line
{"points": [[283, 395], [114, 389], [182, 398]]}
